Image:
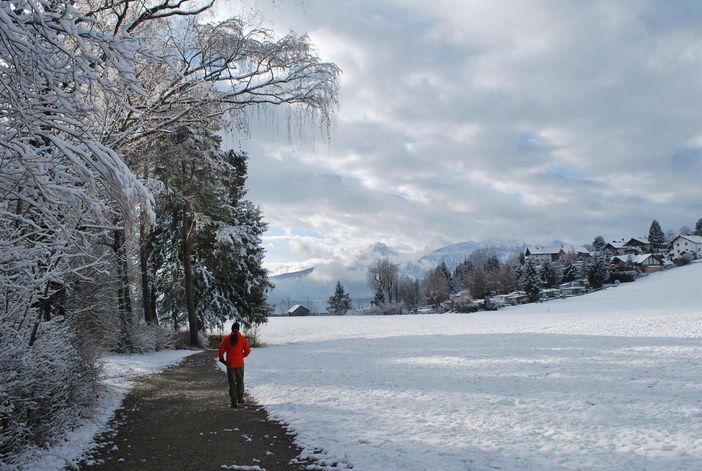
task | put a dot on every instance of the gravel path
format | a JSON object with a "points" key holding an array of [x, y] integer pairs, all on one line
{"points": [[180, 420]]}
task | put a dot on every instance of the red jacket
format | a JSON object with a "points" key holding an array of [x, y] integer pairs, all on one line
{"points": [[235, 353]]}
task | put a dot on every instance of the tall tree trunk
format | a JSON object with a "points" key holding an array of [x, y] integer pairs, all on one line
{"points": [[123, 296], [125, 299], [145, 237], [188, 224]]}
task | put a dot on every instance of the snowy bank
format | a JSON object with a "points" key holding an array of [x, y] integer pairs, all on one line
{"points": [[611, 380], [117, 375]]}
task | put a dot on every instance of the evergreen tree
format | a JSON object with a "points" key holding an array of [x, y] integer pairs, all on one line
{"points": [[492, 263], [459, 274], [340, 302], [656, 236], [569, 271], [598, 270], [599, 243], [379, 297], [532, 283], [698, 227], [549, 275], [446, 274], [207, 252]]}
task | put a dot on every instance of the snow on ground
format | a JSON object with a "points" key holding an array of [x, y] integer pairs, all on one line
{"points": [[118, 371], [607, 381]]}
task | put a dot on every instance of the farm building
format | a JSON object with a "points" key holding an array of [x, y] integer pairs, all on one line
{"points": [[298, 310]]}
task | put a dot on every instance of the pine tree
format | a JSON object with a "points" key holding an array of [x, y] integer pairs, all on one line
{"points": [[207, 250], [340, 302], [379, 297], [698, 227], [447, 275], [532, 283], [656, 236]]}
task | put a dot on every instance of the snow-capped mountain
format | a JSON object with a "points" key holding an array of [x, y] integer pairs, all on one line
{"points": [[454, 254], [373, 253]]}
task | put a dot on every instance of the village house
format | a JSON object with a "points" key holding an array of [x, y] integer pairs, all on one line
{"points": [[579, 252], [645, 263], [687, 243], [541, 255], [298, 310], [618, 247], [638, 245], [615, 248]]}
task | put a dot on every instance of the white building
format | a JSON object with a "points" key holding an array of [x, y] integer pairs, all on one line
{"points": [[687, 243]]}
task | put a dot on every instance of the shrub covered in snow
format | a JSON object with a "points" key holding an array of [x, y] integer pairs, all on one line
{"points": [[684, 259], [45, 389]]}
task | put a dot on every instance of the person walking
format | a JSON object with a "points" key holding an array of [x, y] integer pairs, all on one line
{"points": [[235, 348]]}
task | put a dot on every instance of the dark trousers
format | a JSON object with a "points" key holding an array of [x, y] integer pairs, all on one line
{"points": [[236, 384]]}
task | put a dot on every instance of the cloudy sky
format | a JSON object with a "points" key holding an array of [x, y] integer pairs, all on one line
{"points": [[475, 120]]}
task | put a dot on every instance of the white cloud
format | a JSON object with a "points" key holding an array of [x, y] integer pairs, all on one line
{"points": [[467, 120]]}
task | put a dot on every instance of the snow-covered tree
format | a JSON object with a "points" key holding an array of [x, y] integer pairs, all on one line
{"points": [[598, 270], [656, 236], [196, 74], [570, 272], [61, 189], [340, 302], [550, 275], [531, 282], [208, 238], [492, 263]]}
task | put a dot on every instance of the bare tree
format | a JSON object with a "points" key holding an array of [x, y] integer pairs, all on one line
{"points": [[382, 274], [437, 286], [410, 293], [477, 283]]}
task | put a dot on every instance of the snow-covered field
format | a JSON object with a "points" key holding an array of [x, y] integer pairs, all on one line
{"points": [[610, 381], [118, 371]]}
